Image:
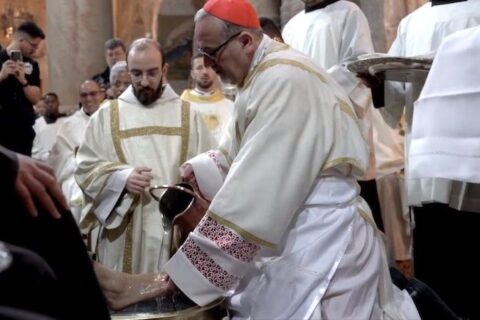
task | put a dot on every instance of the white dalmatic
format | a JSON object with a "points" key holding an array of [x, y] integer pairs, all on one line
{"points": [[216, 110], [62, 159], [333, 36], [286, 232], [45, 138], [121, 136]]}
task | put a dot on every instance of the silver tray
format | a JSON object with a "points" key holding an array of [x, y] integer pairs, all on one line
{"points": [[208, 312]]}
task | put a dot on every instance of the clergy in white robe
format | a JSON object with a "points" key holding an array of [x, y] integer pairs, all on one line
{"points": [[121, 136], [207, 98], [334, 32], [287, 235], [445, 144], [420, 33], [45, 139], [69, 138]]}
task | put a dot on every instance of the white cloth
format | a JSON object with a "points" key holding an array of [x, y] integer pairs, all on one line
{"points": [[421, 33], [121, 136], [333, 36], [39, 124], [288, 211], [62, 159], [445, 134], [45, 138], [216, 110]]}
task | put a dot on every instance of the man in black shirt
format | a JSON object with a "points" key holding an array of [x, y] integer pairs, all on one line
{"points": [[19, 89], [114, 51]]}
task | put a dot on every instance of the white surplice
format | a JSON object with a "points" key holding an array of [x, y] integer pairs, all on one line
{"points": [[123, 135], [421, 33], [45, 138], [287, 235], [62, 159], [445, 131], [216, 110], [333, 36]]}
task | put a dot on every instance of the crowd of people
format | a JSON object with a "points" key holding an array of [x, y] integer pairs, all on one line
{"points": [[320, 183]]}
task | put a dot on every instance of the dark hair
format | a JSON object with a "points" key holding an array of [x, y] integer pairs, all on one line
{"points": [[31, 29], [195, 55], [143, 44], [270, 28], [53, 94], [113, 43]]}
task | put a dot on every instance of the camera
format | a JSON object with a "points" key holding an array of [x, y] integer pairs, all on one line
{"points": [[16, 55]]}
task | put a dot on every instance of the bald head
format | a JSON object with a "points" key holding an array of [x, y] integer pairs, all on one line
{"points": [[90, 96], [145, 44]]}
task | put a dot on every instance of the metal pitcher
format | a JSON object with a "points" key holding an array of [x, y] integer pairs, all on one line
{"points": [[180, 207]]}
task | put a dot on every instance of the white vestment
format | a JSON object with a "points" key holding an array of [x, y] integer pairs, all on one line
{"points": [[62, 159], [333, 36], [287, 230], [421, 33], [121, 136], [445, 131], [39, 124], [216, 110], [45, 138]]}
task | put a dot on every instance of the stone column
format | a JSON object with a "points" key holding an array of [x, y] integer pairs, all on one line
{"points": [[373, 9], [268, 8], [77, 31], [288, 9]]}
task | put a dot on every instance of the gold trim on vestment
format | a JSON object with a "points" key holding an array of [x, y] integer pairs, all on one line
{"points": [[368, 218], [187, 95], [185, 131], [344, 160], [245, 234], [275, 62], [115, 128], [128, 250], [277, 47], [345, 107], [99, 171], [227, 156], [238, 135], [148, 131]]}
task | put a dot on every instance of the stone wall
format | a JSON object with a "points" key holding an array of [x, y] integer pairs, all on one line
{"points": [[77, 31]]}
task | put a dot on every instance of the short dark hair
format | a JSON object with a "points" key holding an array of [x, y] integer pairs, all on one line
{"points": [[31, 29], [53, 94], [143, 44], [113, 43], [270, 28], [195, 56]]}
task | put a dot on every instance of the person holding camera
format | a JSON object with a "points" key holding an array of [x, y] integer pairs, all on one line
{"points": [[19, 88]]}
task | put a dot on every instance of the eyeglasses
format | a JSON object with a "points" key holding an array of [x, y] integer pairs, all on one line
{"points": [[212, 53], [151, 75], [92, 94], [34, 45]]}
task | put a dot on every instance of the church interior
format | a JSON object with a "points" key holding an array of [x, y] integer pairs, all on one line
{"points": [[162, 173]]}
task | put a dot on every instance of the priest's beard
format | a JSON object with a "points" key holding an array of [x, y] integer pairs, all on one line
{"points": [[204, 85], [147, 95]]}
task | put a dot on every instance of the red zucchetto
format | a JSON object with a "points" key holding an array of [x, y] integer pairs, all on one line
{"points": [[239, 12]]}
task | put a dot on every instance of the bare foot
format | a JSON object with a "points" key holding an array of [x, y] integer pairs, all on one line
{"points": [[123, 289]]}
